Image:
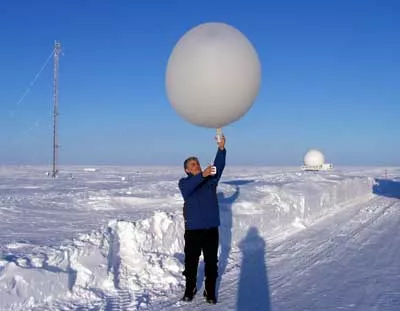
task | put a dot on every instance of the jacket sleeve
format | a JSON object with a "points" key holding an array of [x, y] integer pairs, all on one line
{"points": [[219, 162], [189, 185]]}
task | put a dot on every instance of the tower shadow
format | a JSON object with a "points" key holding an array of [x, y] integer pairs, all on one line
{"points": [[253, 291]]}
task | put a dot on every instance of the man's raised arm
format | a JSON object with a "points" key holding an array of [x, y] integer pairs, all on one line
{"points": [[220, 157]]}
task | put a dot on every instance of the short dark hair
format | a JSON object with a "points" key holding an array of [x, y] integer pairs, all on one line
{"points": [[189, 159]]}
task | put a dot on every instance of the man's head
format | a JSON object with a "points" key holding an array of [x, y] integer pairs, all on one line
{"points": [[192, 166]]}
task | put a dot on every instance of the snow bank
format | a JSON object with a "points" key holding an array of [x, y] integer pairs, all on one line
{"points": [[138, 257], [310, 199], [141, 254], [279, 205]]}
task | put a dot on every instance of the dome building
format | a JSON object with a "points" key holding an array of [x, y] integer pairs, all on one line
{"points": [[314, 160]]}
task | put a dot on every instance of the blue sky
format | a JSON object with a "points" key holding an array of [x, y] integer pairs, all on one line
{"points": [[331, 81]]}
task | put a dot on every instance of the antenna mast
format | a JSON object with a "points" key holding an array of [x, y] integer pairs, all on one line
{"points": [[57, 52]]}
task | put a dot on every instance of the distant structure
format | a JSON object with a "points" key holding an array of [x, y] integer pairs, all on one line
{"points": [[314, 160], [57, 51]]}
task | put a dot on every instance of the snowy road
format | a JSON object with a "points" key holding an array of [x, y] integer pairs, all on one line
{"points": [[347, 261]]}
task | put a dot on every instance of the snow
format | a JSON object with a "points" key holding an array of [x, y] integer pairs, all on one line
{"points": [[111, 238]]}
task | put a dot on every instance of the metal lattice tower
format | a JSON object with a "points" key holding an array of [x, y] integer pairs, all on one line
{"points": [[57, 52]]}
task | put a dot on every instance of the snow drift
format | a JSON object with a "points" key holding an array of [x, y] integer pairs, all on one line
{"points": [[134, 256]]}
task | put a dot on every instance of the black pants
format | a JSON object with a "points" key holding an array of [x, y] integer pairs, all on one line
{"points": [[206, 240]]}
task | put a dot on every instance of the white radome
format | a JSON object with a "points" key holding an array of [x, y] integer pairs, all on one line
{"points": [[213, 75], [314, 158]]}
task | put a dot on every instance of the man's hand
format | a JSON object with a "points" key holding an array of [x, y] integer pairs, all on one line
{"points": [[221, 144], [207, 172]]}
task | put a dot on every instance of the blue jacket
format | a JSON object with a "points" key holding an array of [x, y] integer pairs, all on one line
{"points": [[201, 210]]}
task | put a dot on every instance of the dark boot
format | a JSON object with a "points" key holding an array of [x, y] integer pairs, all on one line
{"points": [[190, 290], [209, 291]]}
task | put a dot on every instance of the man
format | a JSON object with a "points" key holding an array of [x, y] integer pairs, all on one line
{"points": [[201, 214]]}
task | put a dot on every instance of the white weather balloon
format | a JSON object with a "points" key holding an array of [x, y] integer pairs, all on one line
{"points": [[314, 158], [213, 75]]}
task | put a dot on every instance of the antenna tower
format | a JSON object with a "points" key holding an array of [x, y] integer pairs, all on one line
{"points": [[57, 52]]}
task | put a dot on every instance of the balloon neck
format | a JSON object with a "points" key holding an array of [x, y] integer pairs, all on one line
{"points": [[219, 135]]}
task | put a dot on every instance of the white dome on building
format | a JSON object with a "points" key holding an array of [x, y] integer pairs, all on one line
{"points": [[314, 158]]}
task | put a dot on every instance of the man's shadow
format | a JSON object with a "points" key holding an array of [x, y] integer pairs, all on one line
{"points": [[225, 230], [253, 291]]}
